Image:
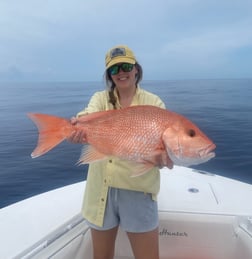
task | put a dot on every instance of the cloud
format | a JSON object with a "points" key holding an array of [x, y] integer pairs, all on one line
{"points": [[208, 53], [221, 39], [11, 73], [64, 40]]}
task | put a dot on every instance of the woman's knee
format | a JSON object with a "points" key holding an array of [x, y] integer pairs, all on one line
{"points": [[104, 243], [145, 245]]}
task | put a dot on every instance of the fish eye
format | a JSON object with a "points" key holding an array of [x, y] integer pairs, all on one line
{"points": [[191, 133]]}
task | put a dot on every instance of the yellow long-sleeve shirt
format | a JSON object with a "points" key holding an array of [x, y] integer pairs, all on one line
{"points": [[114, 172]]}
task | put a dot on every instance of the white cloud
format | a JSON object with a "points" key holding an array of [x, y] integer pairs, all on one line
{"points": [[68, 39], [218, 40]]}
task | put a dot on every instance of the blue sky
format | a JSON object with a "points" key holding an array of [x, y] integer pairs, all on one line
{"points": [[57, 40]]}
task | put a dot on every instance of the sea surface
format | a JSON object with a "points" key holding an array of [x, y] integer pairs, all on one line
{"points": [[221, 108]]}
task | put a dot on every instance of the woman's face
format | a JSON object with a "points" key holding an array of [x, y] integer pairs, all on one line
{"points": [[125, 79]]}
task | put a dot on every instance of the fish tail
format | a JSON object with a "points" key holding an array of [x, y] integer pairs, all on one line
{"points": [[52, 131]]}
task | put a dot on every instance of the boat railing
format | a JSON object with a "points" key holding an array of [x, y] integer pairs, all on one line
{"points": [[77, 223]]}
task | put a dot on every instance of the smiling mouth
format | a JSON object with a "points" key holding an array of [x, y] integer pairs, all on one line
{"points": [[122, 78]]}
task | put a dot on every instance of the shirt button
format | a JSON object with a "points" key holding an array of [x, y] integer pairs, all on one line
{"points": [[110, 160], [102, 199]]}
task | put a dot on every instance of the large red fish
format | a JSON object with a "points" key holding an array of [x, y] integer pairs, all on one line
{"points": [[137, 133]]}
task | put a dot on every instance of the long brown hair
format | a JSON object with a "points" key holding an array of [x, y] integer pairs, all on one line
{"points": [[111, 85]]}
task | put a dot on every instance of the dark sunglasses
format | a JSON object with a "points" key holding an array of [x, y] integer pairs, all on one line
{"points": [[126, 67]]}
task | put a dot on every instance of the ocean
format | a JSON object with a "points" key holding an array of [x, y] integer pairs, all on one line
{"points": [[221, 108]]}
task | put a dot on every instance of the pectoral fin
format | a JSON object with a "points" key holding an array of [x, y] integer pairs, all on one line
{"points": [[159, 157], [139, 169], [90, 154]]}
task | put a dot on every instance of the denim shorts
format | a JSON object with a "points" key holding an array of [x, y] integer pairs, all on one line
{"points": [[134, 211]]}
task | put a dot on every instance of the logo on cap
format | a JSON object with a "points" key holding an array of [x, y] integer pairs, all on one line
{"points": [[117, 52]]}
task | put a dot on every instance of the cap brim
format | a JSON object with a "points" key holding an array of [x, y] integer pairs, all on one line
{"points": [[120, 60]]}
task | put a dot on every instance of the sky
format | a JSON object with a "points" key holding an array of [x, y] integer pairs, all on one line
{"points": [[58, 40]]}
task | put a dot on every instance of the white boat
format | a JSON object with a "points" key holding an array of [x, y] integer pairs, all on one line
{"points": [[202, 216]]}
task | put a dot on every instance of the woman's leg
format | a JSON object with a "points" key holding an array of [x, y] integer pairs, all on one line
{"points": [[103, 243], [145, 245]]}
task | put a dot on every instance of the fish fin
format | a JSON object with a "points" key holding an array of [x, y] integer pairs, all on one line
{"points": [[52, 131], [90, 154], [160, 158], [140, 168]]}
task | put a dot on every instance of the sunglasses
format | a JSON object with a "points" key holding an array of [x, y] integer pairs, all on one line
{"points": [[126, 67]]}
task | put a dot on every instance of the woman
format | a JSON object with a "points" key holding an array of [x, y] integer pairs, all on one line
{"points": [[113, 198]]}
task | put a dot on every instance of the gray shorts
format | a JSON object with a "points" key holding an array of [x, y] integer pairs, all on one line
{"points": [[134, 211]]}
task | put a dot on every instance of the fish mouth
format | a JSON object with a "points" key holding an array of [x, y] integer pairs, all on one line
{"points": [[207, 152], [201, 156]]}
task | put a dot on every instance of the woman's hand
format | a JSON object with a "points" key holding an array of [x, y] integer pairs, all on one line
{"points": [[78, 136]]}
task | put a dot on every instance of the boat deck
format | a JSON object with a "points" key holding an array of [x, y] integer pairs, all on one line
{"points": [[202, 216]]}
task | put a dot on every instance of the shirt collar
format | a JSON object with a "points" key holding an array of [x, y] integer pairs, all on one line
{"points": [[135, 100]]}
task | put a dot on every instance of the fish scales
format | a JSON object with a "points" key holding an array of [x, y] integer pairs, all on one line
{"points": [[132, 132]]}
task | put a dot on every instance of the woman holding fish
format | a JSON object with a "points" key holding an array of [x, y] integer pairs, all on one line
{"points": [[113, 197], [127, 133]]}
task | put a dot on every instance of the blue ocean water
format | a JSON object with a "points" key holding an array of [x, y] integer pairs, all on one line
{"points": [[221, 108]]}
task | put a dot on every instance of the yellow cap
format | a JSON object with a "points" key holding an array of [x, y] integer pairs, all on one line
{"points": [[119, 54]]}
